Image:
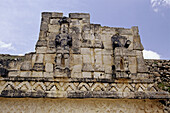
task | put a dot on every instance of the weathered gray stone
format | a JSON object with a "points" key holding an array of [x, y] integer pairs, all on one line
{"points": [[50, 58], [38, 67], [99, 75], [26, 66], [132, 64], [41, 43], [41, 49], [87, 59], [77, 59], [46, 16], [98, 67], [25, 74], [54, 28], [77, 68], [85, 51], [57, 14], [141, 64], [49, 67], [87, 67], [44, 26], [37, 74], [13, 74], [86, 74], [48, 74], [137, 43], [79, 15]]}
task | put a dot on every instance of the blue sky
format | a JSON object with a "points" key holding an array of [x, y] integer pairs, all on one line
{"points": [[20, 21]]}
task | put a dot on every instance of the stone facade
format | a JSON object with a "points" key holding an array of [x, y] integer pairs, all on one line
{"points": [[76, 59], [79, 106]]}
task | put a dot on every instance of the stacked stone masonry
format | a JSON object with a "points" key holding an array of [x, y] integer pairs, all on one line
{"points": [[76, 59]]}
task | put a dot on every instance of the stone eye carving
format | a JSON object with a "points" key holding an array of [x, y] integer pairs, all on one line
{"points": [[120, 41], [121, 61]]}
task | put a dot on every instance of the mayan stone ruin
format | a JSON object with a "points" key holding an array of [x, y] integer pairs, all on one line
{"points": [[82, 67]]}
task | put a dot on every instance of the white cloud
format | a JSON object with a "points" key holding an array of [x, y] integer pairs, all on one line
{"points": [[148, 54], [4, 45], [158, 4]]}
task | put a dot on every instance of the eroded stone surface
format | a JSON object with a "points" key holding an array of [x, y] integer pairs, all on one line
{"points": [[76, 59]]}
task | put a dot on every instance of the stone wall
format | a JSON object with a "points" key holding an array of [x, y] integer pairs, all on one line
{"points": [[161, 71], [76, 59], [34, 105]]}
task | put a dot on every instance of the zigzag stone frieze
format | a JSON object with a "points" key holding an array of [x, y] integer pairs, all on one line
{"points": [[76, 89]]}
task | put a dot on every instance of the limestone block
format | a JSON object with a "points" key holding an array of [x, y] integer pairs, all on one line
{"points": [[48, 74], [76, 75], [87, 59], [86, 21], [97, 28], [75, 22], [51, 43], [54, 28], [25, 74], [118, 51], [141, 67], [76, 43], [98, 51], [13, 74], [87, 43], [33, 59], [26, 66], [77, 59], [51, 36], [137, 43], [49, 67], [79, 15], [41, 43], [54, 21], [108, 76], [38, 67], [77, 68], [37, 74], [51, 50], [125, 31], [98, 44], [107, 59], [107, 51], [87, 74], [99, 75], [42, 35], [14, 65], [41, 49], [98, 59], [50, 58], [39, 58], [127, 52], [87, 67], [85, 51], [108, 68], [135, 30], [57, 14], [108, 45], [131, 45], [44, 26], [46, 16], [86, 36], [98, 67], [28, 56], [132, 64], [142, 75]]}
